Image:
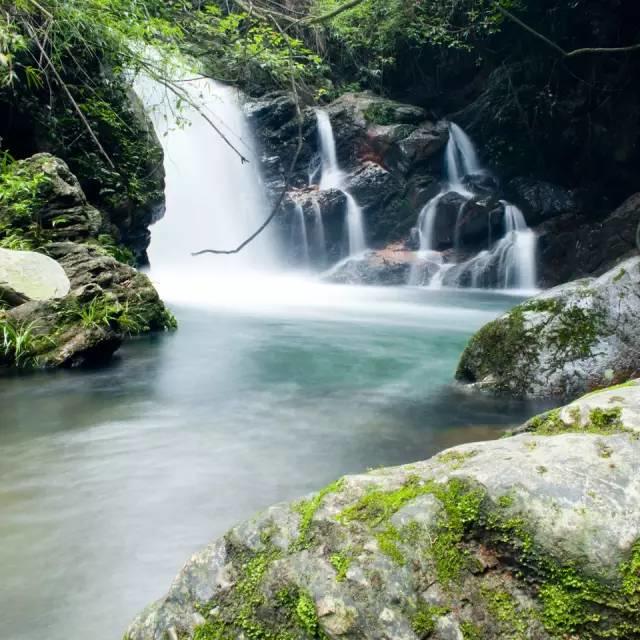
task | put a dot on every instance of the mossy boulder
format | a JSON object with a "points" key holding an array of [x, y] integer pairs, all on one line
{"points": [[504, 539], [574, 338], [108, 302]]}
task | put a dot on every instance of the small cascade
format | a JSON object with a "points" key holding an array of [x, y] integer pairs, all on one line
{"points": [[332, 177], [300, 238], [509, 263], [461, 159], [518, 266], [319, 236]]}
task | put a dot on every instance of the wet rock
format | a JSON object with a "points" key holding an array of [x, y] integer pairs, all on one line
{"points": [[570, 250], [341, 563], [541, 200], [388, 267], [575, 337]]}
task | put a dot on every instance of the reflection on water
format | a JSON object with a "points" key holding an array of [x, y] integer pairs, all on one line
{"points": [[109, 479]]}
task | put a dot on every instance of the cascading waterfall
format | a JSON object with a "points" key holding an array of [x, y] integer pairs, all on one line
{"points": [[510, 263], [461, 159], [320, 239], [332, 177], [300, 237], [213, 199]]}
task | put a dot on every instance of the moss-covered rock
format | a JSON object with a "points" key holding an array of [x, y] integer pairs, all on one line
{"points": [[506, 539], [571, 339], [108, 302]]}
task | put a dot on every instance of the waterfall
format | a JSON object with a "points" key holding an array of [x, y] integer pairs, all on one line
{"points": [[519, 259], [510, 263], [320, 239], [299, 232], [213, 199], [332, 177], [461, 159]]}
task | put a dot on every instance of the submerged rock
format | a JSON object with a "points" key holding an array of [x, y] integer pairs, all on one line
{"points": [[387, 267], [32, 274], [504, 539], [573, 338]]}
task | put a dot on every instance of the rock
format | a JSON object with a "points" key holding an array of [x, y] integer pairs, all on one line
{"points": [[58, 205], [10, 297], [563, 546], [34, 275], [540, 200], [108, 301], [575, 337], [569, 250], [388, 267]]}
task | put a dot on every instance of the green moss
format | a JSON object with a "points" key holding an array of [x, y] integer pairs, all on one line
{"points": [[621, 274], [504, 349], [576, 332], [623, 385], [504, 609], [388, 541], [380, 113], [341, 563], [424, 621], [456, 459], [306, 613], [548, 305], [307, 510], [602, 421], [470, 631]]}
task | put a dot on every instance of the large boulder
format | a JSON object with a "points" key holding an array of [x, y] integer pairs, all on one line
{"points": [[575, 337], [36, 276], [495, 540], [108, 301], [540, 200]]}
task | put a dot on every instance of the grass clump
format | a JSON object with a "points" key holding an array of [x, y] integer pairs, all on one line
{"points": [[20, 343]]}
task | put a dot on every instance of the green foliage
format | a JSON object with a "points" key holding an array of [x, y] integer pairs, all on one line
{"points": [[21, 198], [117, 251], [601, 421], [377, 33], [20, 344], [100, 312], [246, 49]]}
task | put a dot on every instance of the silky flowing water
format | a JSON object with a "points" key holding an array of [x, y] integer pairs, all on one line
{"points": [[110, 479]]}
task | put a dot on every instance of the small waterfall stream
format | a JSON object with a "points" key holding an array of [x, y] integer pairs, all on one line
{"points": [[509, 263], [332, 177]]}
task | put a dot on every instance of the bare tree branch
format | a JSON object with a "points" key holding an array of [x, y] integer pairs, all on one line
{"points": [[557, 47]]}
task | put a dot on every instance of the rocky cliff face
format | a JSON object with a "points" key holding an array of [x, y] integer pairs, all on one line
{"points": [[506, 539], [69, 302]]}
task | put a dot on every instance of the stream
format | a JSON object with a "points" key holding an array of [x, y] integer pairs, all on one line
{"points": [[110, 479]]}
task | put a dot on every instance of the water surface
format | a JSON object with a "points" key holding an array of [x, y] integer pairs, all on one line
{"points": [[110, 479]]}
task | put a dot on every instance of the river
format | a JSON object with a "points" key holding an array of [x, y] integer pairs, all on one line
{"points": [[111, 478]]}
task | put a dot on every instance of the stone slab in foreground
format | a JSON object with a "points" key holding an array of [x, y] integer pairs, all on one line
{"points": [[532, 536]]}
